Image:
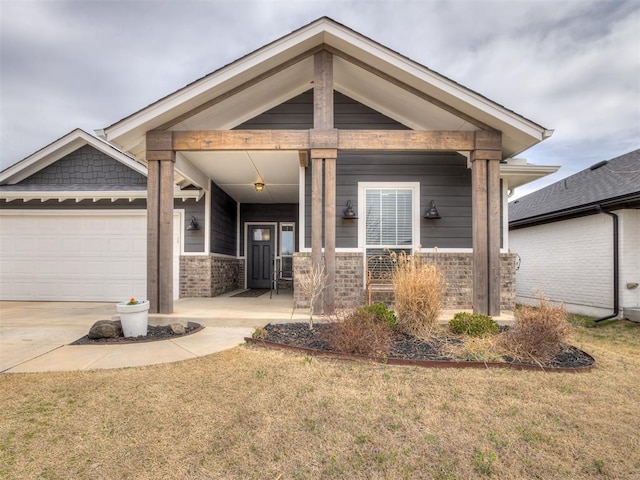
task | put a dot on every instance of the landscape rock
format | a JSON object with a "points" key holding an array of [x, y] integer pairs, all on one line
{"points": [[177, 329], [105, 329]]}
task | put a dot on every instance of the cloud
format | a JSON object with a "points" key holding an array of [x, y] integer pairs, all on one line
{"points": [[572, 66]]}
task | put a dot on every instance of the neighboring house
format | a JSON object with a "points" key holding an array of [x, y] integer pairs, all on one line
{"points": [[579, 240], [264, 154]]}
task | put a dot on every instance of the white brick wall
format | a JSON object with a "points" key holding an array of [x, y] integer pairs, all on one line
{"points": [[568, 261], [629, 257]]}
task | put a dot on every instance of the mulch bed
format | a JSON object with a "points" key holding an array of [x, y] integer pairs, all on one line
{"points": [[154, 334], [408, 350]]}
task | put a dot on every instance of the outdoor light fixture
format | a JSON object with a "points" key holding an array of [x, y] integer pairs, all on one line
{"points": [[259, 186], [432, 213], [193, 225], [348, 212]]}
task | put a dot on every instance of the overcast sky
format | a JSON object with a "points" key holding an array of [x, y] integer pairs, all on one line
{"points": [[570, 65]]}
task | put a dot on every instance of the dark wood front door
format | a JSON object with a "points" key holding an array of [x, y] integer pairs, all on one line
{"points": [[260, 256]]}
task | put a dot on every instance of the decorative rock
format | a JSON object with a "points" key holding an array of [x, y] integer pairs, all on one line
{"points": [[105, 329], [177, 329]]}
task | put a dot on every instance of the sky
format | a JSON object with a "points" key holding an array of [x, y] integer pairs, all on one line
{"points": [[572, 66]]}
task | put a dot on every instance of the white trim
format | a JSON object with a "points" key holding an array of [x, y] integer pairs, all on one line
{"points": [[95, 195], [505, 215], [223, 255], [238, 227], [207, 222], [415, 227], [275, 244]]}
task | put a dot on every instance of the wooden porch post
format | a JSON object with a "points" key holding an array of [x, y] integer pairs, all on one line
{"points": [[485, 177], [160, 159], [324, 143]]}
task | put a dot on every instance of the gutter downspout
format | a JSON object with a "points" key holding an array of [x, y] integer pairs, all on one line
{"points": [[616, 280]]}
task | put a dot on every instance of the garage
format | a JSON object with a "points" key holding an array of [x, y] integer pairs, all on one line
{"points": [[87, 255]]}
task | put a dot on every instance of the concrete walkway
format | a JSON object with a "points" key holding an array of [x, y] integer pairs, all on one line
{"points": [[35, 336]]}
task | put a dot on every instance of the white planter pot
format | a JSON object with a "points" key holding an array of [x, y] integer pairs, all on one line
{"points": [[134, 318]]}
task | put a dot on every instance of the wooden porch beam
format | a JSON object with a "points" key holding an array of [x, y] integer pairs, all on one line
{"points": [[399, 140], [212, 140], [362, 140]]}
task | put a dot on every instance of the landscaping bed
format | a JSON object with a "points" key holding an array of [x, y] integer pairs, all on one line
{"points": [[409, 350], [154, 333]]}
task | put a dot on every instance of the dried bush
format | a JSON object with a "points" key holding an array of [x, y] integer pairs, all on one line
{"points": [[473, 324], [361, 332], [383, 314], [417, 287], [537, 333]]}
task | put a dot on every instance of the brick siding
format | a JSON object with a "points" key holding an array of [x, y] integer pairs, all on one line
{"points": [[456, 267], [208, 275]]}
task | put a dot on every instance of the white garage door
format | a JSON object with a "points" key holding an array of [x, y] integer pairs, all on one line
{"points": [[76, 256]]}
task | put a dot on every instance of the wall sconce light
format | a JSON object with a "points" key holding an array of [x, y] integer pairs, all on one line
{"points": [[349, 212], [193, 225], [432, 213], [259, 186]]}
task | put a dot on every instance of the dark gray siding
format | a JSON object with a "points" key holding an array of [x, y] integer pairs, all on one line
{"points": [[86, 166], [297, 114], [272, 212], [193, 239], [224, 222], [443, 178]]}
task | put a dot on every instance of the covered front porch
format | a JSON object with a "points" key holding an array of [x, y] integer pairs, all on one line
{"points": [[301, 109]]}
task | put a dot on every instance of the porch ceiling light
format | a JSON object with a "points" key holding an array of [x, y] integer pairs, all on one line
{"points": [[259, 186], [432, 213]]}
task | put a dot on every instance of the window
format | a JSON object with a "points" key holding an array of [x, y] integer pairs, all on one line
{"points": [[391, 214], [287, 242]]}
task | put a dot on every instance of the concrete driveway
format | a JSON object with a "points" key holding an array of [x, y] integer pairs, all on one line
{"points": [[35, 336]]}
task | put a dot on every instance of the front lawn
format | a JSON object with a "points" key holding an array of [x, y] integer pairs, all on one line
{"points": [[256, 413]]}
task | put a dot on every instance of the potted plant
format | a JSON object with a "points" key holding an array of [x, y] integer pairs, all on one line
{"points": [[134, 316]]}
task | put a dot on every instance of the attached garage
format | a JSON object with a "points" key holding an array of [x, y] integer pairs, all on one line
{"points": [[88, 255]]}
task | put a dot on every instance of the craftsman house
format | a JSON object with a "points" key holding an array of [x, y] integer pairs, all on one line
{"points": [[252, 169], [578, 240]]}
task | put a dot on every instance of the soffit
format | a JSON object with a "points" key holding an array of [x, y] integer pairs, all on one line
{"points": [[237, 172]]}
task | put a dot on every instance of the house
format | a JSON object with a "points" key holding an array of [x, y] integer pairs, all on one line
{"points": [[579, 240], [264, 154]]}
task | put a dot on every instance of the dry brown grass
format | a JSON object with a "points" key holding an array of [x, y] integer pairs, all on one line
{"points": [[251, 413], [417, 288]]}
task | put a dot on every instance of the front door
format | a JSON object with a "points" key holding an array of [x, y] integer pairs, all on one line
{"points": [[260, 256]]}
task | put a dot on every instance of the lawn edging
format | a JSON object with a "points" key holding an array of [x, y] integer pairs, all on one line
{"points": [[420, 363]]}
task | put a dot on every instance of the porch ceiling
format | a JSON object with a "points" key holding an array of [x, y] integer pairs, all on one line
{"points": [[236, 173]]}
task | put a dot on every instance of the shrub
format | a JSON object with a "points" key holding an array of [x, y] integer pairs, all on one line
{"points": [[417, 288], [537, 333], [362, 333], [382, 313], [473, 324]]}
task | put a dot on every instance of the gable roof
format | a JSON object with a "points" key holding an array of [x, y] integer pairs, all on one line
{"points": [[364, 70], [10, 178], [60, 148], [610, 184]]}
